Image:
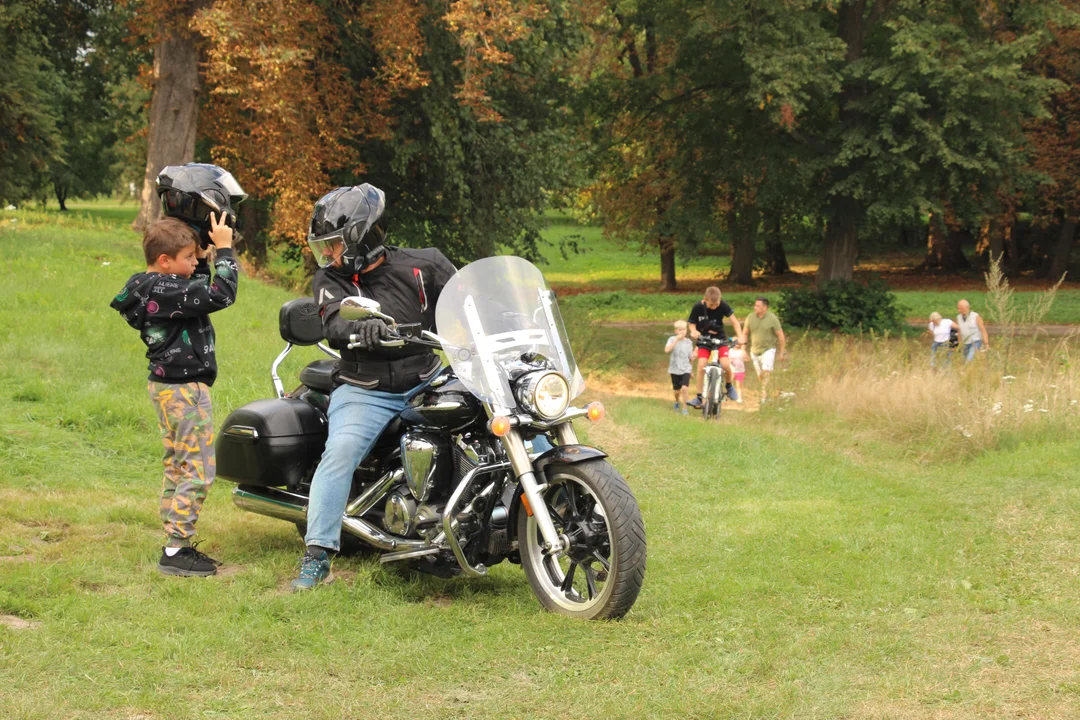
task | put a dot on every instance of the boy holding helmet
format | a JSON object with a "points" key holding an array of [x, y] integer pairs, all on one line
{"points": [[169, 304]]}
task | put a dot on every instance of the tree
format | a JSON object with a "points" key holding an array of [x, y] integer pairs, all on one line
{"points": [[29, 139], [1055, 144], [174, 108], [452, 110]]}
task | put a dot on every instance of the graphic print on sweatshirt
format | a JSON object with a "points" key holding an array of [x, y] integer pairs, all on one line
{"points": [[171, 314]]}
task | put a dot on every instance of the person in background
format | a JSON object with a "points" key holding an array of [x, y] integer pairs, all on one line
{"points": [[738, 358], [681, 349], [973, 335], [707, 318], [942, 330], [766, 336]]}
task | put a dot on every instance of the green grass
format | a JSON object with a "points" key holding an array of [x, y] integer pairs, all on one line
{"points": [[796, 569]]}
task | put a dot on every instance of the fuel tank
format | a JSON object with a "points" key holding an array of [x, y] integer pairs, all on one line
{"points": [[447, 407]]}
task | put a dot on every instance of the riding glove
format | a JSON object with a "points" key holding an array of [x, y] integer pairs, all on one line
{"points": [[369, 333]]}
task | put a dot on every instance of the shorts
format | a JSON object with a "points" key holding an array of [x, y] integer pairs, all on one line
{"points": [[740, 376], [765, 361], [680, 381], [704, 352]]}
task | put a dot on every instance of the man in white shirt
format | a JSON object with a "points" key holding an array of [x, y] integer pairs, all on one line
{"points": [[973, 335]]}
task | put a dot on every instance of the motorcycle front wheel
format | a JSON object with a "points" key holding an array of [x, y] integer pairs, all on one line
{"points": [[600, 575]]}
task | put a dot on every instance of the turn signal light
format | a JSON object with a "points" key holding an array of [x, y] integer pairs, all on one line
{"points": [[499, 425], [595, 411]]}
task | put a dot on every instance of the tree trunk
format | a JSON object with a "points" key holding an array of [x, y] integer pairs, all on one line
{"points": [[667, 262], [61, 196], [253, 219], [991, 243], [173, 113], [841, 246], [1062, 248], [944, 249], [741, 229], [775, 258]]}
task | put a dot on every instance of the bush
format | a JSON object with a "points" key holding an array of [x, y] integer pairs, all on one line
{"points": [[844, 305]]}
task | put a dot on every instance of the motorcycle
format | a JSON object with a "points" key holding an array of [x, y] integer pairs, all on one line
{"points": [[483, 466]]}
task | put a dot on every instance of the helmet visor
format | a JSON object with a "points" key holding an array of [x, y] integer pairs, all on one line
{"points": [[185, 206], [229, 184], [327, 249]]}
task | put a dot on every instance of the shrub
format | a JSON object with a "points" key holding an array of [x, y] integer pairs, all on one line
{"points": [[844, 305]]}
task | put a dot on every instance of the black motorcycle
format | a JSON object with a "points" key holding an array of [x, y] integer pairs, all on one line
{"points": [[483, 466]]}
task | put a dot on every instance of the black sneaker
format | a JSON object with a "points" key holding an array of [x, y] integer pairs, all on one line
{"points": [[189, 562]]}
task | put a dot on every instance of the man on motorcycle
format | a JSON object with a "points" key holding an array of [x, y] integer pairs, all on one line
{"points": [[373, 383]]}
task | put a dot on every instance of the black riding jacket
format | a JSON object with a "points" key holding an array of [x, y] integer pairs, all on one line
{"points": [[407, 285]]}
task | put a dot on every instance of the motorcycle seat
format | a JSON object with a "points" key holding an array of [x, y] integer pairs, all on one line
{"points": [[319, 375]]}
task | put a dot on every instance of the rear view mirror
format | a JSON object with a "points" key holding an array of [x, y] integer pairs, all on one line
{"points": [[362, 308]]}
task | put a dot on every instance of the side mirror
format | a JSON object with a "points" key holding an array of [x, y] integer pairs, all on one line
{"points": [[362, 308]]}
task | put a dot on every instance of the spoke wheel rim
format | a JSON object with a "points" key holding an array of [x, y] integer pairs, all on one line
{"points": [[582, 577]]}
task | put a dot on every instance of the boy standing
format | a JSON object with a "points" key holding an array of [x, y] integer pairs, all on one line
{"points": [[169, 305], [681, 350]]}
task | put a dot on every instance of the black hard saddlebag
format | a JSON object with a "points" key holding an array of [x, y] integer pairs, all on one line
{"points": [[270, 442]]}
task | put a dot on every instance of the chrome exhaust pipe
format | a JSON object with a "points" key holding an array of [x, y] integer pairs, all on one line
{"points": [[283, 505], [271, 502], [374, 536]]}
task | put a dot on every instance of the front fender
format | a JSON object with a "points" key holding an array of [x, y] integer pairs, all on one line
{"points": [[561, 455]]}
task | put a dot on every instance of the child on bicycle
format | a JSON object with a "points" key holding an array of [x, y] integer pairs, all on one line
{"points": [[681, 349]]}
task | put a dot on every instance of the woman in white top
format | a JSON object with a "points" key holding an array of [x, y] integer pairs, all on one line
{"points": [[941, 329]]}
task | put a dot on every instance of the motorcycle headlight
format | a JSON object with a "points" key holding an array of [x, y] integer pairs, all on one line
{"points": [[546, 393]]}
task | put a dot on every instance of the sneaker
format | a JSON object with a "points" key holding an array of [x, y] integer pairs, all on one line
{"points": [[677, 407], [732, 395], [189, 562], [685, 411], [695, 403], [763, 398], [314, 569], [739, 399]]}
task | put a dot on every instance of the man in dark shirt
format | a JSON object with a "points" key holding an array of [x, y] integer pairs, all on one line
{"points": [[707, 318], [375, 382]]}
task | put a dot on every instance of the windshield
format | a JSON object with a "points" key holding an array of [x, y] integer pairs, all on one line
{"points": [[493, 311]]}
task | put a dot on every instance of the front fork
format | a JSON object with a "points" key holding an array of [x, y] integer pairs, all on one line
{"points": [[514, 444]]}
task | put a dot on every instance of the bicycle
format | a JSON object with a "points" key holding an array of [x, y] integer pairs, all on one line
{"points": [[712, 392]]}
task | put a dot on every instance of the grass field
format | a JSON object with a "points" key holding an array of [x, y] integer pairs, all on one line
{"points": [[804, 562]]}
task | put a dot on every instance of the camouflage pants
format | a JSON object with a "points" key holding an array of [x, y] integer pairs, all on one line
{"points": [[186, 420]]}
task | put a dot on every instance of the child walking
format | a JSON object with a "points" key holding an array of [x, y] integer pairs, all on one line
{"points": [[170, 304], [681, 349], [738, 358]]}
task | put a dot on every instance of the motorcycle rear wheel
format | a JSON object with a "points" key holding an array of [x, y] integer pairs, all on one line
{"points": [[601, 573]]}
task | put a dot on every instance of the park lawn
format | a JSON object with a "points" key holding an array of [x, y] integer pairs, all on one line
{"points": [[796, 568]]}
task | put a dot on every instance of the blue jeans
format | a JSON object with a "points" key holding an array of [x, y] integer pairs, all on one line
{"points": [[357, 418], [934, 351], [970, 349]]}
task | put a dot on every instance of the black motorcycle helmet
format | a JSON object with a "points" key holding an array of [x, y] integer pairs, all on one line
{"points": [[191, 192], [347, 224]]}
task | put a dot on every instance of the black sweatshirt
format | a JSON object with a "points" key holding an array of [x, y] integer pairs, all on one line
{"points": [[407, 285], [172, 314]]}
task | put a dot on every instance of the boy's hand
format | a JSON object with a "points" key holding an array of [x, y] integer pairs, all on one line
{"points": [[220, 233]]}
